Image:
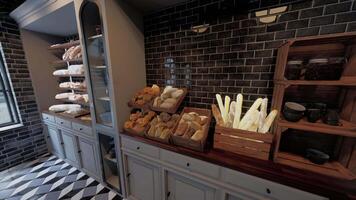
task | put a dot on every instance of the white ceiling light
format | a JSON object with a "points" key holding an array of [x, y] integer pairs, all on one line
{"points": [[200, 28]]}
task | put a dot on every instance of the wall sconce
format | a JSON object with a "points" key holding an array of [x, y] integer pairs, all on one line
{"points": [[200, 28], [270, 15]]}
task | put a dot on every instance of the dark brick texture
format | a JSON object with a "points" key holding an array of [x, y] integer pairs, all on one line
{"points": [[27, 142], [237, 53]]}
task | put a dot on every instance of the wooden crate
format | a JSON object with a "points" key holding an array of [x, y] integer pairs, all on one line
{"points": [[242, 142], [173, 109], [191, 144]]}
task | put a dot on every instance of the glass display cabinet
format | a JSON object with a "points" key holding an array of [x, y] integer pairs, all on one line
{"points": [[111, 35], [97, 64], [95, 58]]}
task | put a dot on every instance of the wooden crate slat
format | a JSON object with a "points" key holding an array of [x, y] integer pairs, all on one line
{"points": [[247, 134], [242, 143], [334, 49], [242, 151]]}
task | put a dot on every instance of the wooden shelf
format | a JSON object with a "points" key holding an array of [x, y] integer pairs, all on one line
{"points": [[104, 98], [113, 181], [64, 45], [71, 75], [107, 157], [345, 129], [333, 168], [75, 102], [95, 37], [329, 83], [332, 49], [61, 62], [75, 89]]}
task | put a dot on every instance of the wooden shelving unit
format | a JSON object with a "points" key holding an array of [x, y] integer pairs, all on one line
{"points": [[336, 45]]}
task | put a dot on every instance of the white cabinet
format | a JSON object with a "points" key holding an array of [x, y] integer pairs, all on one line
{"points": [[70, 148], [54, 141], [182, 188], [88, 156], [143, 179]]}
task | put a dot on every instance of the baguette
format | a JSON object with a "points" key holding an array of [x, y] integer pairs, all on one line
{"points": [[221, 107], [238, 107], [263, 113], [226, 110], [217, 115], [252, 109], [268, 122]]}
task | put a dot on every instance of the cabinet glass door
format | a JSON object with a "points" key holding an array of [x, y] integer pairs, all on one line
{"points": [[96, 60]]}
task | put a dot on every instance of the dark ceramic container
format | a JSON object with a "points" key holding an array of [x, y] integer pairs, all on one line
{"points": [[317, 157], [293, 111], [313, 115]]}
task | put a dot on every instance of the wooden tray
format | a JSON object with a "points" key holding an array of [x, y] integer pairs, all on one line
{"points": [[173, 109], [242, 142], [134, 132], [143, 107], [188, 143], [74, 116]]}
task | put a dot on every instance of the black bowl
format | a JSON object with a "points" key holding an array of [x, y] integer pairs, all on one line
{"points": [[292, 117], [313, 115], [317, 157], [295, 108], [293, 111]]}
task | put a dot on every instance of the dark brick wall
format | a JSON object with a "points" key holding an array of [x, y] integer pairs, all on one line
{"points": [[25, 143], [237, 54]]}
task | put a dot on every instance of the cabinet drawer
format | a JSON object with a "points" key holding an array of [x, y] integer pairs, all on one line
{"points": [[63, 122], [191, 164], [264, 187], [48, 117], [140, 147], [82, 128]]}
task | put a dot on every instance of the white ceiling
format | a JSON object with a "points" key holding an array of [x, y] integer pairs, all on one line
{"points": [[61, 22], [57, 17]]}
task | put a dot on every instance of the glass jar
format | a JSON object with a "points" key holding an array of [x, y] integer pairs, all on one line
{"points": [[293, 69]]}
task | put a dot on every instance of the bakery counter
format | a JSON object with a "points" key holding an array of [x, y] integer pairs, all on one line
{"points": [[319, 184]]}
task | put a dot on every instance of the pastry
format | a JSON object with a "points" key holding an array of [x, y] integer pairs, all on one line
{"points": [[196, 126], [166, 105], [177, 94], [181, 129], [187, 117], [165, 117], [198, 135], [188, 133], [129, 124]]}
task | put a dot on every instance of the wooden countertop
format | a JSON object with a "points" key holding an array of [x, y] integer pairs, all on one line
{"points": [[327, 186], [76, 120]]}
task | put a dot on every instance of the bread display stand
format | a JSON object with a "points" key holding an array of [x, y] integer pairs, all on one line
{"points": [[174, 109], [188, 143], [247, 143]]}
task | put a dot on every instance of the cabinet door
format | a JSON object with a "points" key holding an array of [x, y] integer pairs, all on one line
{"points": [[88, 155], [181, 188], [70, 147], [142, 179], [54, 141]]}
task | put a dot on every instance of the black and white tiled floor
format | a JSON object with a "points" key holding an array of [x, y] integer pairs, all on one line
{"points": [[51, 178]]}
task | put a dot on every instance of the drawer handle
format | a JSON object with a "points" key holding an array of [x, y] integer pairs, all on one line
{"points": [[188, 164], [128, 175], [80, 129], [79, 151], [62, 122], [62, 143], [168, 194], [268, 191], [138, 148]]}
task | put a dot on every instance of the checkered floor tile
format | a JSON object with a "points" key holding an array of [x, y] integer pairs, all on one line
{"points": [[51, 178]]}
